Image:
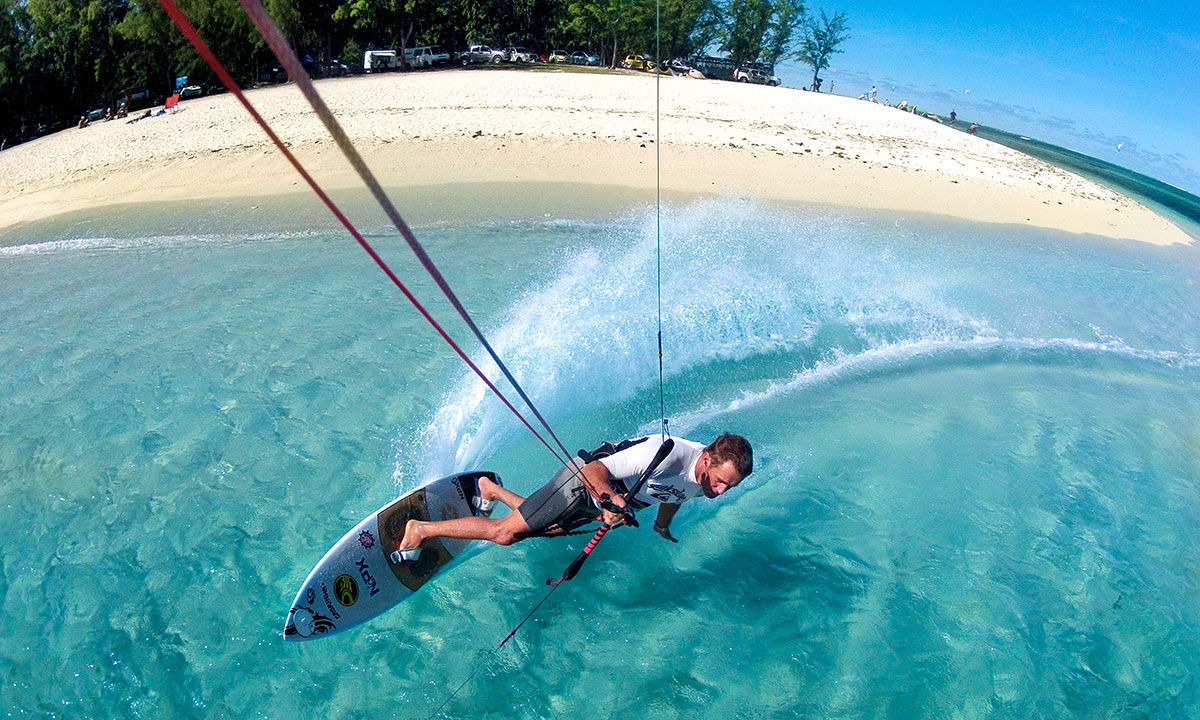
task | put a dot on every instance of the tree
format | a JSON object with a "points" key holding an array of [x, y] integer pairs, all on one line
{"points": [[746, 23], [821, 39], [377, 21], [687, 27], [761, 29], [611, 19], [389, 23], [152, 43], [14, 50], [781, 35]]}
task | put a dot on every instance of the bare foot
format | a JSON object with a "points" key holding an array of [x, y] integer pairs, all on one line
{"points": [[412, 535], [487, 489], [491, 490]]}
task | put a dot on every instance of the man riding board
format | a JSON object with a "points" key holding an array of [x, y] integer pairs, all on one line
{"points": [[573, 498]]}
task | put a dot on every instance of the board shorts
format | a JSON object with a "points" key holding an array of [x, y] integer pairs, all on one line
{"points": [[564, 501]]}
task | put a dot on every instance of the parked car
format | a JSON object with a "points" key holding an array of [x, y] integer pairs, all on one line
{"points": [[585, 58], [272, 75], [191, 91], [380, 60], [419, 57], [759, 73], [679, 67], [520, 55], [441, 56], [335, 68], [480, 54], [638, 62], [558, 56], [96, 114]]}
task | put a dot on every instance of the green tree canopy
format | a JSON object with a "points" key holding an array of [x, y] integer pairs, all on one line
{"points": [[60, 58], [821, 39]]}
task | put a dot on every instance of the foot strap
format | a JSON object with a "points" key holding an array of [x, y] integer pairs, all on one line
{"points": [[406, 556]]}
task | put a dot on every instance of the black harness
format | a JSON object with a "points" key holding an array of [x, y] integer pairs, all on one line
{"points": [[607, 449]]}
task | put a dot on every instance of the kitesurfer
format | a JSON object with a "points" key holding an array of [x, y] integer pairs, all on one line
{"points": [[568, 501]]}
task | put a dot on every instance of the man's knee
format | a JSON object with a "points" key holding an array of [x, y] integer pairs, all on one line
{"points": [[509, 529], [505, 538]]}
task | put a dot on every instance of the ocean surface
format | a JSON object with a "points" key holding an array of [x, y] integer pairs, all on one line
{"points": [[976, 489]]}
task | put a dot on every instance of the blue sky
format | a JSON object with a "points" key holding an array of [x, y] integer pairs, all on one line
{"points": [[1086, 77]]}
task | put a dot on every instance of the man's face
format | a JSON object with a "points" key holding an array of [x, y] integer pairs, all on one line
{"points": [[715, 479]]}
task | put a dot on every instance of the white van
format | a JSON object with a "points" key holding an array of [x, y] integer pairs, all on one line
{"points": [[419, 57], [380, 60]]}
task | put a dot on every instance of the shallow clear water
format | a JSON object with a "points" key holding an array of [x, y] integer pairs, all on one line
{"points": [[977, 489]]}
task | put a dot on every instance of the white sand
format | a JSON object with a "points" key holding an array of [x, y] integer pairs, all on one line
{"points": [[595, 128]]}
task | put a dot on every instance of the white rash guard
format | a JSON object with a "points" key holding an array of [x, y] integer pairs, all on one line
{"points": [[673, 481]]}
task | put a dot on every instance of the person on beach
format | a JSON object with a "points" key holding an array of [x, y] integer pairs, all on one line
{"points": [[83, 122], [953, 115], [567, 501], [872, 96]]}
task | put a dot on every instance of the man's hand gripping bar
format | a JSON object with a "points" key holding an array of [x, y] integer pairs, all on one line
{"points": [[663, 451]]}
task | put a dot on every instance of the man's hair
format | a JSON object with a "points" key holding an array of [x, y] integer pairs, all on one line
{"points": [[735, 449]]}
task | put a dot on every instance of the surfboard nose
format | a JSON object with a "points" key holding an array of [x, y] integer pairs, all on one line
{"points": [[299, 625]]}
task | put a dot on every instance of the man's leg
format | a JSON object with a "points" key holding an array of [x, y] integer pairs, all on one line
{"points": [[554, 499], [503, 531], [489, 490]]}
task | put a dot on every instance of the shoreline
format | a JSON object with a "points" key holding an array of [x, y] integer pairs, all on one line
{"points": [[434, 135]]}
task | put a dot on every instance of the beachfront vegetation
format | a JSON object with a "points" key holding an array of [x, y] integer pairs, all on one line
{"points": [[760, 30], [821, 39], [61, 58]]}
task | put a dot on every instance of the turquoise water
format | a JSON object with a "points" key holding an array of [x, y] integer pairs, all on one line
{"points": [[976, 495]]}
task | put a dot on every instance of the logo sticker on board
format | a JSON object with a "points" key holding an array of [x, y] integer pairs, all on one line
{"points": [[366, 539], [345, 590]]}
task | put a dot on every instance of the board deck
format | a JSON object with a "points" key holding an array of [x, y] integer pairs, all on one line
{"points": [[356, 580]]}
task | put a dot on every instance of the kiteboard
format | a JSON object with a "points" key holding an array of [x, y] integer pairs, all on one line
{"points": [[357, 579]]}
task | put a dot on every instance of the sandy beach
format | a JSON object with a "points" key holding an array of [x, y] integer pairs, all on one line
{"points": [[512, 129]]}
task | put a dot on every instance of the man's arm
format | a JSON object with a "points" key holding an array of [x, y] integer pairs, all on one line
{"points": [[662, 524], [597, 477]]}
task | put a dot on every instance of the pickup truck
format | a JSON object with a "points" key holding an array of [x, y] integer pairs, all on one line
{"points": [[755, 73], [480, 54]]}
